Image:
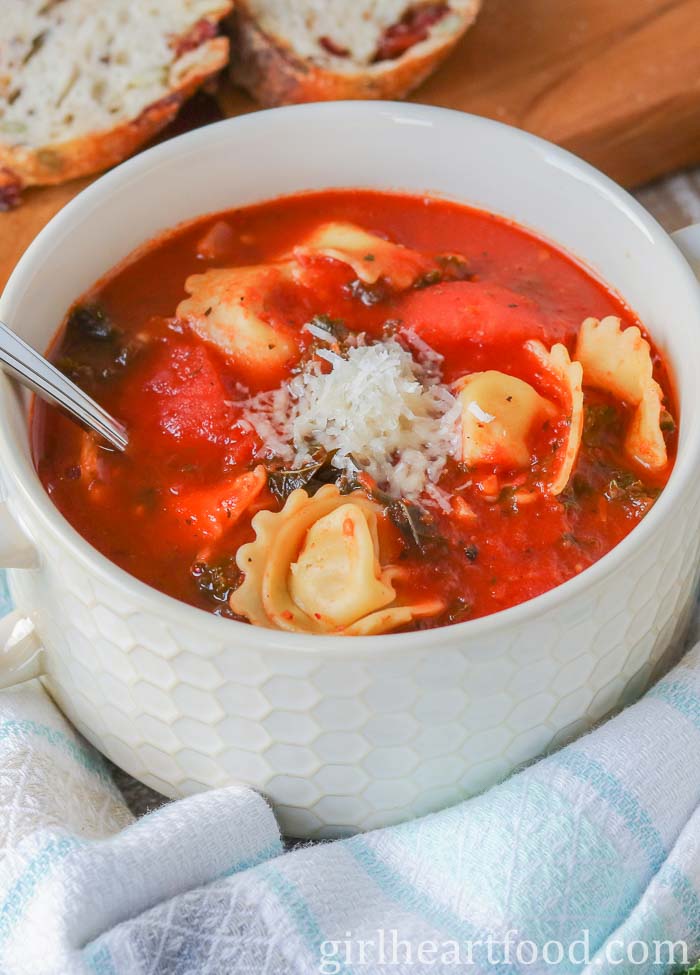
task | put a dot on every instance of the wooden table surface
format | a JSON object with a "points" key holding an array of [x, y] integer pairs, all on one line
{"points": [[616, 81]]}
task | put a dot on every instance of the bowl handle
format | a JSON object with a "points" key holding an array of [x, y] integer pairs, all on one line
{"points": [[20, 648], [16, 550], [688, 242], [21, 654]]}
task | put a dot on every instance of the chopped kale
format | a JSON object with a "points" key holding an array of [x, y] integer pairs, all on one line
{"points": [[217, 580], [94, 349], [450, 267], [625, 486], [334, 326], [570, 540], [581, 486], [416, 526], [454, 267], [89, 321], [430, 277], [507, 499], [81, 373], [666, 422], [126, 352], [577, 488], [311, 476], [600, 423], [368, 294], [457, 611]]}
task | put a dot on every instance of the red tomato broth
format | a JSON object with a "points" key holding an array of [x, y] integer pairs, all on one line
{"points": [[169, 502]]}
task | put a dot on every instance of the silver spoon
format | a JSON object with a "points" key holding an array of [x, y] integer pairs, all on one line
{"points": [[33, 370]]}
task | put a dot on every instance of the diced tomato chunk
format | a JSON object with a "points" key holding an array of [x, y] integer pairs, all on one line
{"points": [[210, 511], [242, 449], [186, 395], [471, 311]]}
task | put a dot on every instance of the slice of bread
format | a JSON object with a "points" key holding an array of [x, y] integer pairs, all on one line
{"points": [[316, 50], [83, 83]]}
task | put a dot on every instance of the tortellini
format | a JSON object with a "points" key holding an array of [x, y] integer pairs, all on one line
{"points": [[619, 361], [315, 567], [498, 413], [568, 377], [369, 256], [227, 308], [334, 576]]}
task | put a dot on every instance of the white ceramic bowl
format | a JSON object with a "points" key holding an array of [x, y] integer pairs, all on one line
{"points": [[345, 734]]}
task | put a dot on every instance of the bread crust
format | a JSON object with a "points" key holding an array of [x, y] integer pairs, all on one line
{"points": [[275, 75], [22, 166]]}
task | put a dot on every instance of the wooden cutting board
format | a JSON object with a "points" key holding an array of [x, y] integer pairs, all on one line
{"points": [[616, 81]]}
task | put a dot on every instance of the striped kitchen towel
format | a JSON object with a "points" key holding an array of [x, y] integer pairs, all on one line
{"points": [[588, 861]]}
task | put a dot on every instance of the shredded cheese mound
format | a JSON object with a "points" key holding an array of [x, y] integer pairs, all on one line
{"points": [[379, 407]]}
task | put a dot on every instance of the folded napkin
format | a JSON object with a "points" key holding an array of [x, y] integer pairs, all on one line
{"points": [[588, 861]]}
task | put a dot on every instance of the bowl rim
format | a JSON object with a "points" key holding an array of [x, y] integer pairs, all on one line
{"points": [[24, 477]]}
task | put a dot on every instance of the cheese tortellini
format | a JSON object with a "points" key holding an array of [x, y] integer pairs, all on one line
{"points": [[315, 567], [369, 256], [619, 361], [498, 413], [227, 307], [568, 377]]}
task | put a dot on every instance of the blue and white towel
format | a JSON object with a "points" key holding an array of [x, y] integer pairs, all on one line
{"points": [[588, 861]]}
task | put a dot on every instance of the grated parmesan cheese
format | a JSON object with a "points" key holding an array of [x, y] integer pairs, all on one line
{"points": [[318, 333], [379, 405], [480, 414], [430, 361]]}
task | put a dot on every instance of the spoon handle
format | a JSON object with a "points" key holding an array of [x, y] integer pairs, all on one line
{"points": [[33, 370]]}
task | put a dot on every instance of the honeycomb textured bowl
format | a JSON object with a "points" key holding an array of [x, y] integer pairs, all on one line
{"points": [[348, 734], [343, 744]]}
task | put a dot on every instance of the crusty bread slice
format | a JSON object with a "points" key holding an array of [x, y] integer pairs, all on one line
{"points": [[317, 50], [83, 83]]}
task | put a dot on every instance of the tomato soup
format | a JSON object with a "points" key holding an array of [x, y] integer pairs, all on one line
{"points": [[357, 412]]}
